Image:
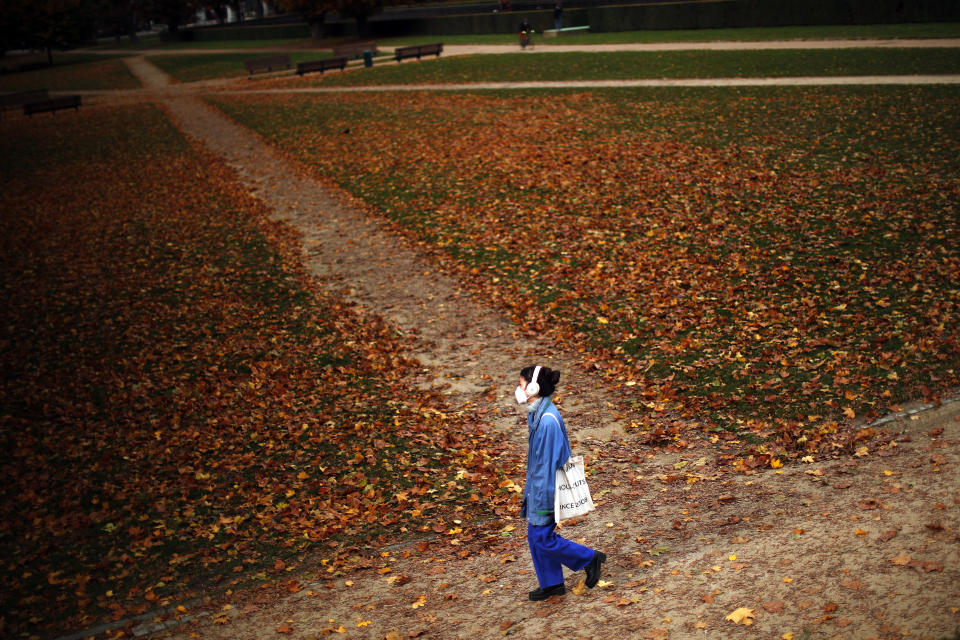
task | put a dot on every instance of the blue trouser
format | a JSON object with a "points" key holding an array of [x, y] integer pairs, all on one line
{"points": [[550, 551]]}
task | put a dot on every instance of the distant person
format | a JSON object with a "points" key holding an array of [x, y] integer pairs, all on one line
{"points": [[526, 31], [558, 16]]}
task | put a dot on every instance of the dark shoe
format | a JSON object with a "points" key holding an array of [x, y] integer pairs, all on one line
{"points": [[543, 594], [593, 569]]}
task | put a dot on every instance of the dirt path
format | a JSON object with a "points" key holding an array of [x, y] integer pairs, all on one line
{"points": [[465, 347], [554, 45], [857, 548], [804, 81]]}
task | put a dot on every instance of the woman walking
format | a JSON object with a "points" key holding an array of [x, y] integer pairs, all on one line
{"points": [[548, 449]]}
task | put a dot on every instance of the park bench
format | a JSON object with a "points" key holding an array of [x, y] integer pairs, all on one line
{"points": [[51, 105], [17, 99], [355, 49], [268, 63], [321, 65], [552, 33], [417, 50]]}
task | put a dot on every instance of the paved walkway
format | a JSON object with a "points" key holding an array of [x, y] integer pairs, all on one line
{"points": [[555, 46], [795, 81]]}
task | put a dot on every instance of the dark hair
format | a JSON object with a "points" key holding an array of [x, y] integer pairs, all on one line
{"points": [[548, 379]]}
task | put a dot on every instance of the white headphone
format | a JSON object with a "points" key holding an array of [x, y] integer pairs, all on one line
{"points": [[533, 388]]}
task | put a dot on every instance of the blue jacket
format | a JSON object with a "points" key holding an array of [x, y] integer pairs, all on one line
{"points": [[547, 450]]}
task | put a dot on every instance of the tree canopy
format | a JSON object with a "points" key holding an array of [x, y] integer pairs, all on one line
{"points": [[47, 24]]}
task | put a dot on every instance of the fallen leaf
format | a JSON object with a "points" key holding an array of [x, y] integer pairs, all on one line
{"points": [[284, 628], [581, 587], [773, 607], [901, 560], [743, 615], [926, 567]]}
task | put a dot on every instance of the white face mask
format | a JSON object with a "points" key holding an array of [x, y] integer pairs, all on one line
{"points": [[520, 395]]}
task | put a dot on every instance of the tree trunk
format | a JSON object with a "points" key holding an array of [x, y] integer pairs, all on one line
{"points": [[361, 25], [316, 22], [49, 55]]}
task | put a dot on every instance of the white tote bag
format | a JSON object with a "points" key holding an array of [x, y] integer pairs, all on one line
{"points": [[572, 495]]}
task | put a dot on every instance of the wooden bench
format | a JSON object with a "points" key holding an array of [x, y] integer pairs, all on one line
{"points": [[51, 105], [417, 50], [321, 65], [355, 49], [17, 99], [268, 63]]}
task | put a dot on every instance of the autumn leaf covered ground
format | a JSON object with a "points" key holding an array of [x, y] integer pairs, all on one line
{"points": [[181, 404], [856, 548], [773, 262], [754, 274]]}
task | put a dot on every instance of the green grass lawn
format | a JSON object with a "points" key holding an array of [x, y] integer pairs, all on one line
{"points": [[73, 72], [770, 262], [182, 407], [519, 67]]}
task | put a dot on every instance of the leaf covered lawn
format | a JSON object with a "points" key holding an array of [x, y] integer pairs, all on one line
{"points": [[73, 72], [774, 265], [181, 407]]}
